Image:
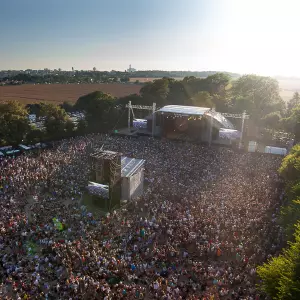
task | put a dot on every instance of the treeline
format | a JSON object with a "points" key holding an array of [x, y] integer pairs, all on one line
{"points": [[177, 74], [65, 77], [53, 121], [281, 275], [259, 96], [62, 77]]}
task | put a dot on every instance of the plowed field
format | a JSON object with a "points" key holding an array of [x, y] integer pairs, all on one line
{"points": [[58, 93]]}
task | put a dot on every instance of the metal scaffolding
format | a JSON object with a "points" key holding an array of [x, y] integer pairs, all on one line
{"points": [[142, 107]]}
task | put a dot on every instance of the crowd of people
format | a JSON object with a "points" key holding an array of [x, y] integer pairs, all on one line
{"points": [[206, 219]]}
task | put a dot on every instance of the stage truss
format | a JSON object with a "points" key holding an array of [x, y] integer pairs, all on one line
{"points": [[152, 108]]}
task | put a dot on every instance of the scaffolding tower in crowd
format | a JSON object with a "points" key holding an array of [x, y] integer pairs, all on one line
{"points": [[106, 170]]}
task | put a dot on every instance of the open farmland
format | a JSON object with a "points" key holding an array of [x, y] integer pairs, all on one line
{"points": [[149, 79], [58, 93]]}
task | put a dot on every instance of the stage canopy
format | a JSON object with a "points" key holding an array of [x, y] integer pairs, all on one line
{"points": [[230, 134], [184, 110], [221, 119], [130, 165], [197, 111]]}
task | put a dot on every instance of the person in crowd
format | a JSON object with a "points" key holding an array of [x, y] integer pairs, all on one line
{"points": [[206, 219]]}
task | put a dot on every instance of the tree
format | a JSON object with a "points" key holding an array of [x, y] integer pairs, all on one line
{"points": [[34, 108], [290, 122], [290, 167], [14, 122], [94, 69], [293, 103], [134, 98], [178, 93], [82, 126], [271, 120], [203, 99], [281, 275], [290, 172], [67, 106], [125, 79], [217, 83], [35, 135], [257, 95], [55, 120], [99, 108], [69, 128], [156, 91]]}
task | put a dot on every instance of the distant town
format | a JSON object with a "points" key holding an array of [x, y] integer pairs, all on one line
{"points": [[131, 75]]}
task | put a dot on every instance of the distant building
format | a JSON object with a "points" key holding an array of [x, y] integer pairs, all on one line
{"points": [[131, 70]]}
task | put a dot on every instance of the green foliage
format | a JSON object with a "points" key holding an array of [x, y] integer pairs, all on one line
{"points": [[202, 99], [134, 98], [281, 275], [290, 167], [178, 93], [257, 95], [294, 102], [14, 123], [50, 111], [290, 171], [100, 110], [95, 100], [217, 83], [56, 120], [34, 108], [272, 120], [290, 215], [35, 135], [67, 106], [292, 119], [82, 126], [69, 128], [156, 91]]}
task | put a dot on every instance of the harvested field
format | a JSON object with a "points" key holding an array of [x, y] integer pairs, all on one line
{"points": [[150, 79], [58, 93]]}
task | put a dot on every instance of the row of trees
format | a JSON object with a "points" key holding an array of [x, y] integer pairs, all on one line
{"points": [[66, 77], [60, 76], [16, 128], [281, 275], [259, 96], [100, 109]]}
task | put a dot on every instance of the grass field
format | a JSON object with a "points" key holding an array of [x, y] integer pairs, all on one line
{"points": [[58, 93]]}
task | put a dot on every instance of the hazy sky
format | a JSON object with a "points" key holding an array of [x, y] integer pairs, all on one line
{"points": [[245, 36]]}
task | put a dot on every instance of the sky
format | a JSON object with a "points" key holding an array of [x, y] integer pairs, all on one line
{"points": [[243, 36]]}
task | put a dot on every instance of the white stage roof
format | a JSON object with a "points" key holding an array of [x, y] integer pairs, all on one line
{"points": [[130, 165], [184, 110], [231, 134]]}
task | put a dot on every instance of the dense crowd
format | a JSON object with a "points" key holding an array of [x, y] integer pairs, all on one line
{"points": [[207, 218]]}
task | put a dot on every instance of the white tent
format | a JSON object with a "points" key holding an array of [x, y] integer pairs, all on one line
{"points": [[275, 150]]}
